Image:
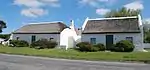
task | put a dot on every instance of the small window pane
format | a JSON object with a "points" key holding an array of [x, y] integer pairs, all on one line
{"points": [[130, 39], [33, 38], [17, 38], [93, 40], [51, 39]]}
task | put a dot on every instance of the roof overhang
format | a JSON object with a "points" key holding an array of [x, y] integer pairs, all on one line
{"points": [[107, 32], [37, 33]]}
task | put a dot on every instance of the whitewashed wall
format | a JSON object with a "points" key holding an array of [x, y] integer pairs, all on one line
{"points": [[101, 38], [27, 37], [67, 38]]}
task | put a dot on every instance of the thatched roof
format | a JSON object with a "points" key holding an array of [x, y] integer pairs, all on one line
{"points": [[48, 27], [108, 25]]}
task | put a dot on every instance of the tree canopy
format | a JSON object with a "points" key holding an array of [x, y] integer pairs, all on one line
{"points": [[123, 12], [2, 25], [5, 36]]}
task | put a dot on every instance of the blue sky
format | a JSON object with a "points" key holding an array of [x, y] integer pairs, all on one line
{"points": [[17, 13]]}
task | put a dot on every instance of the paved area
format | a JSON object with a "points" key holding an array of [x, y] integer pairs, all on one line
{"points": [[17, 62]]}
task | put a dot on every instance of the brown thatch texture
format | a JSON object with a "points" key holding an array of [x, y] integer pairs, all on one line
{"points": [[42, 28], [112, 25]]}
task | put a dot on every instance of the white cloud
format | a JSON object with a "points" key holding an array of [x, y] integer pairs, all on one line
{"points": [[135, 5], [147, 21], [102, 11], [36, 3], [28, 3], [53, 3], [34, 8], [92, 3], [33, 12], [96, 3]]}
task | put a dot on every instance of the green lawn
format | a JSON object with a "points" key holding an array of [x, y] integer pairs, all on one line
{"points": [[73, 54]]}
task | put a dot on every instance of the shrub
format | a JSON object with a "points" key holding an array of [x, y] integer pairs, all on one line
{"points": [[147, 39], [86, 47], [43, 43], [116, 49], [100, 47], [123, 46], [19, 43], [51, 44], [94, 49]]}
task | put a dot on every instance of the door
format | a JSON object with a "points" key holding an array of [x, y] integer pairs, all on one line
{"points": [[33, 38], [109, 41]]}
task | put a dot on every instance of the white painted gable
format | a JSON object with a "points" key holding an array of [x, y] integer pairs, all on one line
{"points": [[69, 37]]}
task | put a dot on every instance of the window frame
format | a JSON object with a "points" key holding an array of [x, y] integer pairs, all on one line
{"points": [[50, 39], [33, 38], [93, 40], [129, 39], [17, 38]]}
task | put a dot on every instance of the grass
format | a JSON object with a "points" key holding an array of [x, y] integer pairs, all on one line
{"points": [[73, 54]]}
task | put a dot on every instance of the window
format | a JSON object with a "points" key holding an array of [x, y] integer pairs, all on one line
{"points": [[51, 39], [93, 40], [130, 39], [33, 38], [17, 38]]}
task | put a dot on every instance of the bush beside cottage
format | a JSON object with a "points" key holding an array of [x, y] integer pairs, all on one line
{"points": [[40, 44], [87, 47], [43, 43], [18, 43], [121, 46]]}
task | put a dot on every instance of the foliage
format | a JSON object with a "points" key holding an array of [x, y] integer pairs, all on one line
{"points": [[84, 46], [5, 36], [19, 43], [94, 49], [87, 47], [123, 12], [2, 25], [146, 35], [123, 46], [147, 39], [43, 43], [100, 47]]}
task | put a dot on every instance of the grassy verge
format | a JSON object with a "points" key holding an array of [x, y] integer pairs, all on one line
{"points": [[73, 54]]}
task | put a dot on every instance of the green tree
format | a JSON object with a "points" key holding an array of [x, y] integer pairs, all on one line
{"points": [[5, 36], [123, 12], [146, 30], [2, 25], [147, 36]]}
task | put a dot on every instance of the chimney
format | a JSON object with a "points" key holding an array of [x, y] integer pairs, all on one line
{"points": [[72, 24]]}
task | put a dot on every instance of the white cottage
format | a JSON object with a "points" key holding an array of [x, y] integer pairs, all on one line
{"points": [[111, 30], [34, 32]]}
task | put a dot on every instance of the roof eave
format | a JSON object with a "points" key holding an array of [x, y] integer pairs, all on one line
{"points": [[108, 32], [114, 18], [36, 33]]}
